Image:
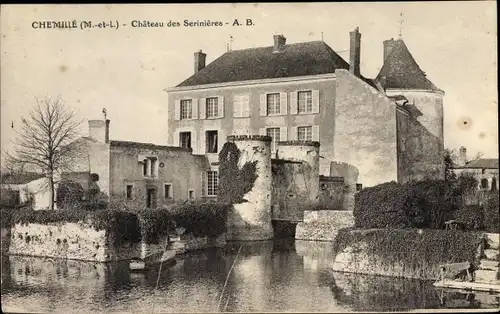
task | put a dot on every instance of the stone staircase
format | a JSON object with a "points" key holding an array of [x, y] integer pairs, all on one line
{"points": [[488, 266], [486, 275]]}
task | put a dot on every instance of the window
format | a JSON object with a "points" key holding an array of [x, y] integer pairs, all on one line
{"points": [[150, 167], [212, 107], [484, 183], [168, 191], [186, 109], [275, 134], [129, 191], [185, 139], [359, 187], [191, 194], [241, 103], [304, 133], [305, 101], [273, 104], [211, 137], [212, 183]]}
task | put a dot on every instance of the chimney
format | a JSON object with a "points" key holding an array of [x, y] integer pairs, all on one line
{"points": [[199, 60], [99, 130], [279, 42], [388, 45], [462, 156], [355, 52]]}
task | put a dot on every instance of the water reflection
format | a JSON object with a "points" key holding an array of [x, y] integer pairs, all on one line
{"points": [[267, 276]]}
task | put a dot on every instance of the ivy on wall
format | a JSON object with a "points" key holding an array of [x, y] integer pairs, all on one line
{"points": [[122, 226], [420, 251], [234, 182]]}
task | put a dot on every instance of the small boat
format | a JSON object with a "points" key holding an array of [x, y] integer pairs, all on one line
{"points": [[137, 265]]}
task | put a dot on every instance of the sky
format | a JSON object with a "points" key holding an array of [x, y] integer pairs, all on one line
{"points": [[125, 70]]}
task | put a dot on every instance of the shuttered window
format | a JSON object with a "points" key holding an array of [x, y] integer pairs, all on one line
{"points": [[273, 104], [212, 110], [305, 103], [304, 133], [186, 109]]}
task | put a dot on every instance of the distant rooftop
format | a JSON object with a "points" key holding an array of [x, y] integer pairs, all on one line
{"points": [[19, 177], [482, 163]]}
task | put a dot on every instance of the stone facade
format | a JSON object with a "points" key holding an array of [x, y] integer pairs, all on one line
{"points": [[144, 173], [355, 119], [365, 130], [173, 167], [229, 121]]}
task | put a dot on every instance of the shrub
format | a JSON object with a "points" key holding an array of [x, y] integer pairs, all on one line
{"points": [[470, 217], [6, 216], [431, 203], [154, 224], [69, 194], [492, 213], [201, 219], [381, 206], [423, 204], [421, 251]]}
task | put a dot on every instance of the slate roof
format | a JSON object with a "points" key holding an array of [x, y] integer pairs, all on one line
{"points": [[400, 70], [482, 163], [300, 59]]}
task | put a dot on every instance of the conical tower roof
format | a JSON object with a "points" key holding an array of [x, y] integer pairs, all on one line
{"points": [[401, 71]]}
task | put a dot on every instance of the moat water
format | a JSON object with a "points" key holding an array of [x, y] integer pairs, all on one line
{"points": [[274, 276]]}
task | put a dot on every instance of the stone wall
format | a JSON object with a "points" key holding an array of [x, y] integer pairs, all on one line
{"points": [[295, 179], [323, 225], [420, 152], [350, 173], [189, 242], [333, 192], [365, 130], [68, 241]]}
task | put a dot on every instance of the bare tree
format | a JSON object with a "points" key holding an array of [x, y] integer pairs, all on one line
{"points": [[44, 140]]}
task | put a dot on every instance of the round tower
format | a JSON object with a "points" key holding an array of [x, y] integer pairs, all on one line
{"points": [[401, 75], [250, 218], [427, 108]]}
